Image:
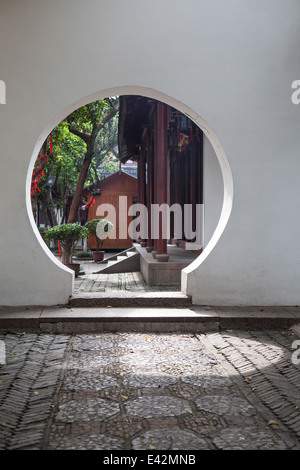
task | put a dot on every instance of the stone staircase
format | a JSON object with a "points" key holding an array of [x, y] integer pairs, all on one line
{"points": [[123, 310], [123, 299], [124, 262]]}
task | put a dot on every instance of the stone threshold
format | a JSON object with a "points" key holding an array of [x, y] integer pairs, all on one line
{"points": [[194, 319], [170, 299]]}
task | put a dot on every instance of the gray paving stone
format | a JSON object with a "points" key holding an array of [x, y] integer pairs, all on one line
{"points": [[221, 405], [247, 439], [88, 361], [86, 410], [170, 439], [209, 379], [89, 442], [157, 406], [86, 381], [218, 390], [149, 380]]}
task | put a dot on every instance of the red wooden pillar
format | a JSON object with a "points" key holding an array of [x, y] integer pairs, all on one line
{"points": [[150, 245], [161, 174], [155, 177], [142, 164], [193, 186], [139, 186], [181, 186]]}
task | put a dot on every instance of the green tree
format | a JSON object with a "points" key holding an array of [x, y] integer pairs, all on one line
{"points": [[80, 143], [106, 150], [56, 172], [86, 123]]}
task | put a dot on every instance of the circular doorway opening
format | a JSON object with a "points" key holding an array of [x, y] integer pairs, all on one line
{"points": [[215, 170]]}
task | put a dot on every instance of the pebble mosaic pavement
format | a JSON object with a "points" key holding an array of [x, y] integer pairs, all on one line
{"points": [[139, 391]]}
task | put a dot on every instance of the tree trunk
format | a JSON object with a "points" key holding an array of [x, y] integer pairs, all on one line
{"points": [[66, 255], [90, 141], [73, 214], [51, 207], [64, 216], [45, 210]]}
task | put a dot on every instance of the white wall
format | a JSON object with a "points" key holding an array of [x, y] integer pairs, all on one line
{"points": [[213, 190], [231, 62]]}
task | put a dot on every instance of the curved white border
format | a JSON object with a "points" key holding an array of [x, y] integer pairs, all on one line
{"points": [[154, 94]]}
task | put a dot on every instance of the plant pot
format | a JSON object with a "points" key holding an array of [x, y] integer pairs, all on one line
{"points": [[98, 255], [74, 266]]}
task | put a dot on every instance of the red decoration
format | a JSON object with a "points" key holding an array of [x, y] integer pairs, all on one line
{"points": [[90, 203], [42, 172], [59, 250], [38, 172], [43, 156], [35, 186]]}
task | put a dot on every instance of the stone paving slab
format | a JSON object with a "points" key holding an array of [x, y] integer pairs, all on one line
{"points": [[123, 298], [92, 319], [257, 316], [16, 318], [234, 389], [106, 282], [156, 318]]}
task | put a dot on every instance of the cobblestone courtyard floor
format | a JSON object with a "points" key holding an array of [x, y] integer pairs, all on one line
{"points": [[133, 282], [139, 391]]}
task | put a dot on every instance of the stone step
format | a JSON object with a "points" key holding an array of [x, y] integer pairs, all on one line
{"points": [[81, 320], [121, 264], [170, 299], [113, 257], [157, 318]]}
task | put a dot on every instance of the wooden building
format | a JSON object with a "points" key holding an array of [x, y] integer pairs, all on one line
{"points": [[168, 148], [108, 192]]}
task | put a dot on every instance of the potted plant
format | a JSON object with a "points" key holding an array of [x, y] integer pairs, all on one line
{"points": [[99, 228], [67, 235]]}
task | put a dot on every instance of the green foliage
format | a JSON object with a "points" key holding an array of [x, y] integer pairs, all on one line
{"points": [[83, 119], [63, 164], [69, 149], [92, 225], [109, 163], [105, 150], [84, 254], [68, 154], [70, 145], [66, 234]]}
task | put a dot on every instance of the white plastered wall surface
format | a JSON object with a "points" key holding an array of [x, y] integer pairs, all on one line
{"points": [[231, 62]]}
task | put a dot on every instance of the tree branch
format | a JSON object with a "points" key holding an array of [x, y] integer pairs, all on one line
{"points": [[86, 164], [113, 103], [82, 135], [107, 118]]}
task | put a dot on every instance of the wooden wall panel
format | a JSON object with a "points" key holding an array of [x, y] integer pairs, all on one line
{"points": [[118, 184]]}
